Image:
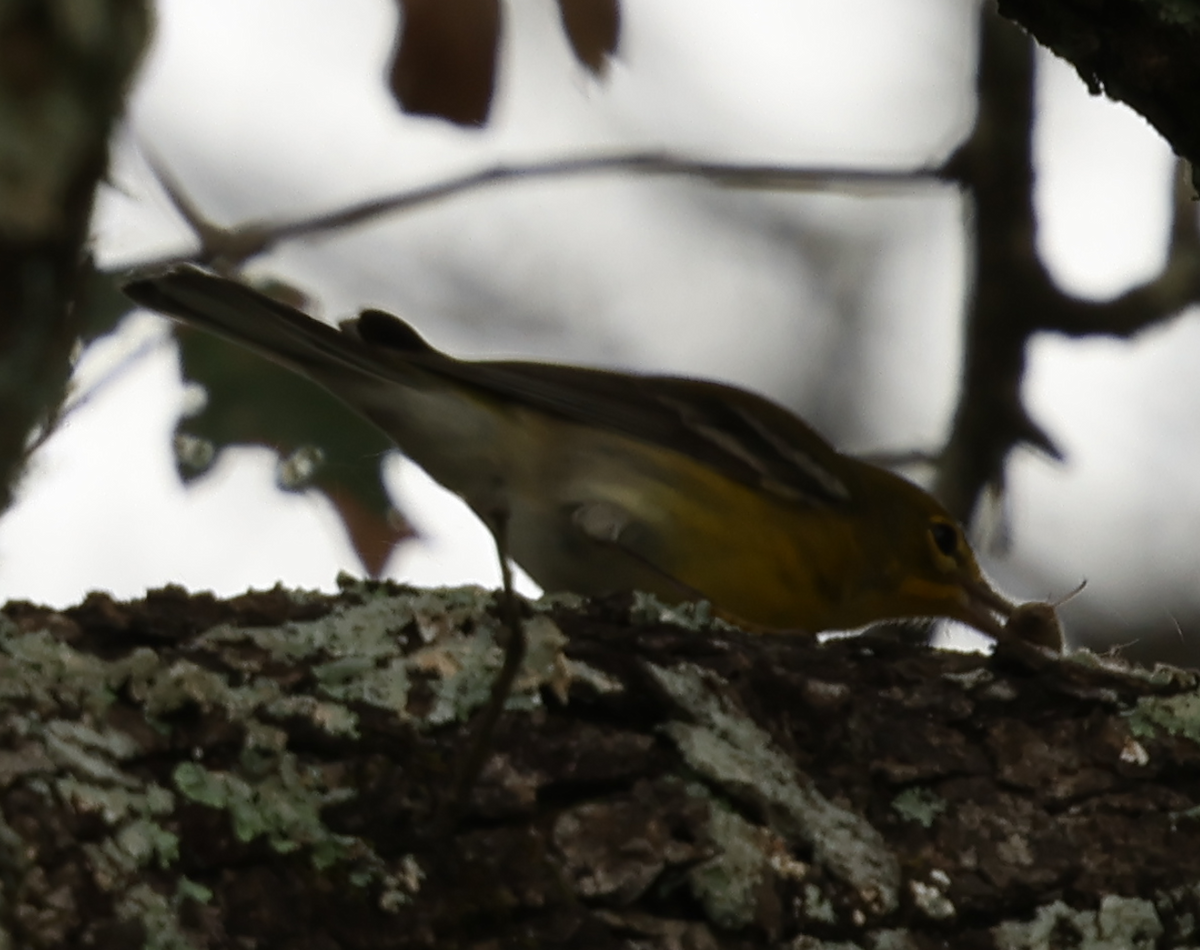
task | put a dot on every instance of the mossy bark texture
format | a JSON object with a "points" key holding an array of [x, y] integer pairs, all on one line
{"points": [[271, 771]]}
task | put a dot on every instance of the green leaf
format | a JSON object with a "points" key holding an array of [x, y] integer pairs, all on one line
{"points": [[321, 443]]}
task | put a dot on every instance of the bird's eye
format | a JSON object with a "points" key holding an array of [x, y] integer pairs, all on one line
{"points": [[945, 537]]}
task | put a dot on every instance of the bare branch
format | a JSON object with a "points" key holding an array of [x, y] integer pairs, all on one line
{"points": [[1011, 286], [1013, 296], [1174, 289], [227, 249]]}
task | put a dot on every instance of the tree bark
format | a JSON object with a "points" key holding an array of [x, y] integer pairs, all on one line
{"points": [[64, 69], [1140, 52], [272, 771]]}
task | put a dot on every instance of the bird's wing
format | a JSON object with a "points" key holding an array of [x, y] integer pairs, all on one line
{"points": [[743, 435]]}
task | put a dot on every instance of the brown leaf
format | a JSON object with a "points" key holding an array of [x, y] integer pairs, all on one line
{"points": [[373, 537], [594, 29], [445, 60]]}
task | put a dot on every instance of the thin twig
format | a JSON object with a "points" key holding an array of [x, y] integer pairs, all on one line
{"points": [[229, 248]]}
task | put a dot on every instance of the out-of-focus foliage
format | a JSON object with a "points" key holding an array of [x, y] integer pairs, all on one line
{"points": [[320, 443], [445, 60], [445, 57], [594, 29]]}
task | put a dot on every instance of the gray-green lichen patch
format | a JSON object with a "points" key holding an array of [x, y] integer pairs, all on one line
{"points": [[1121, 923], [158, 915], [729, 750], [361, 632], [1179, 905], [56, 701], [397, 886], [331, 718], [45, 674], [1175, 715], [360, 654], [930, 897], [283, 806], [462, 670], [467, 667], [892, 940], [68, 746], [817, 906], [1161, 675], [130, 799], [117, 859], [732, 884], [181, 683], [87, 752], [920, 805], [79, 727], [807, 942], [690, 615], [364, 680]]}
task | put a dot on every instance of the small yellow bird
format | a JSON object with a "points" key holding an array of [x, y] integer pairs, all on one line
{"points": [[597, 482]]}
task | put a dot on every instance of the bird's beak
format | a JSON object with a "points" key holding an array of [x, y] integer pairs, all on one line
{"points": [[985, 608]]}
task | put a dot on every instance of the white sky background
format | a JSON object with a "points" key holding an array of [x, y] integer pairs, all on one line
{"points": [[276, 108]]}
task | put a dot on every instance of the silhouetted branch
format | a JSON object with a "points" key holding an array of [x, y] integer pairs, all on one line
{"points": [[227, 249], [1176, 287], [1013, 296], [1010, 286]]}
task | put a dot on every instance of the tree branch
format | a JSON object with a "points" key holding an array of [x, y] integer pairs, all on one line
{"points": [[227, 249], [1141, 52], [187, 772], [1010, 285], [1013, 296], [1174, 289]]}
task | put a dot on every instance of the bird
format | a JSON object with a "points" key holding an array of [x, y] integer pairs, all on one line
{"points": [[597, 482]]}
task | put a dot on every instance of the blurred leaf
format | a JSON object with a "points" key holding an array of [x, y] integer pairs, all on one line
{"points": [[321, 443], [445, 61], [594, 29]]}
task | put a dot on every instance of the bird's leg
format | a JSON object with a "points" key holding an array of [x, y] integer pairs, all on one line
{"points": [[479, 744]]}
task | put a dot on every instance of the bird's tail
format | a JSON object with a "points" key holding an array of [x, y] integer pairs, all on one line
{"points": [[265, 325], [376, 364]]}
